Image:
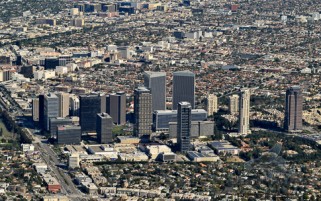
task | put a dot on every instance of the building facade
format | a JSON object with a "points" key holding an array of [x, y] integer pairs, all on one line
{"points": [[293, 109], [162, 118], [90, 106], [51, 109], [63, 104], [58, 121], [156, 83], [183, 88], [41, 111], [234, 104], [198, 129], [244, 114], [104, 128], [68, 134], [74, 105], [35, 109], [116, 107], [184, 126], [211, 104], [142, 111]]}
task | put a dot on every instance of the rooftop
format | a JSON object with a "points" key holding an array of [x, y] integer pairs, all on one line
{"points": [[154, 74], [184, 73]]}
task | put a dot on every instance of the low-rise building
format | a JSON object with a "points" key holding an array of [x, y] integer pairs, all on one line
{"points": [[90, 188], [199, 157], [55, 198], [82, 178], [167, 157], [136, 156], [41, 168], [224, 147], [128, 139], [27, 147], [74, 160], [52, 183]]}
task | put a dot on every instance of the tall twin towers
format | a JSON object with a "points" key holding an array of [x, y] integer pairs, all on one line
{"points": [[152, 97], [183, 88]]}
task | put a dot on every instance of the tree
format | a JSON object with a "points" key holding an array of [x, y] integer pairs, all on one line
{"points": [[217, 134]]}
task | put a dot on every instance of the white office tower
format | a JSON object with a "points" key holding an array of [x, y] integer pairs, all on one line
{"points": [[244, 114], [211, 104], [63, 104], [234, 104]]}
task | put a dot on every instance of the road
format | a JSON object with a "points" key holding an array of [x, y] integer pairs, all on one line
{"points": [[47, 154], [51, 159]]}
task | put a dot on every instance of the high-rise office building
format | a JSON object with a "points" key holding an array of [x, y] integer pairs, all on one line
{"points": [[68, 134], [35, 109], [142, 111], [63, 104], [58, 121], [244, 114], [293, 109], [116, 107], [156, 83], [183, 88], [211, 104], [234, 104], [104, 128], [41, 111], [103, 102], [74, 105], [184, 126], [51, 108], [90, 106]]}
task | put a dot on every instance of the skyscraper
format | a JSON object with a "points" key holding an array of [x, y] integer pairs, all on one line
{"points": [[35, 109], [74, 105], [41, 111], [63, 104], [234, 104], [184, 126], [183, 88], [211, 104], [156, 83], [51, 108], [244, 114], [142, 111], [90, 106], [104, 128], [103, 102], [293, 109], [116, 107]]}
